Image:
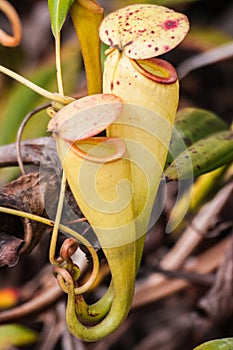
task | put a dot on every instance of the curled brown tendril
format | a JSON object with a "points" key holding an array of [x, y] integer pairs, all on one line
{"points": [[64, 278], [67, 274], [68, 248], [65, 262], [11, 14]]}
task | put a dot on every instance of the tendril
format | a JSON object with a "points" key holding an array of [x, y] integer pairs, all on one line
{"points": [[20, 132], [95, 260], [11, 14]]}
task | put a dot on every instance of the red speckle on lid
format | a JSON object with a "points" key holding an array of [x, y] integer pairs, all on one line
{"points": [[118, 83], [112, 85], [106, 32], [170, 24], [149, 45], [142, 30]]}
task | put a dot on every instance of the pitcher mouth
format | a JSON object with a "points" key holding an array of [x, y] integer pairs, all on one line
{"points": [[156, 69], [113, 149]]}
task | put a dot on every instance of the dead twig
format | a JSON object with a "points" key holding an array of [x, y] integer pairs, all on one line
{"points": [[218, 302], [31, 152], [51, 322], [203, 264], [203, 59], [193, 235], [191, 277], [36, 305]]}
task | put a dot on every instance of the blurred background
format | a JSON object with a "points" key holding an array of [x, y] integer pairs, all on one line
{"points": [[171, 323]]}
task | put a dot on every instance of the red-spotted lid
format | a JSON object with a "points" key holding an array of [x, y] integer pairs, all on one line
{"points": [[86, 117], [143, 30]]}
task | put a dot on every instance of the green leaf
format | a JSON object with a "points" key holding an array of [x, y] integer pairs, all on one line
{"points": [[205, 155], [16, 335], [219, 344], [58, 10], [191, 125]]}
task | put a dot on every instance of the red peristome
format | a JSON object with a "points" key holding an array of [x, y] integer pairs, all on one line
{"points": [[117, 143], [159, 63]]}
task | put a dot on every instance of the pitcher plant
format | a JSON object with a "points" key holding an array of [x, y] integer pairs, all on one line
{"points": [[150, 91], [115, 178], [113, 145]]}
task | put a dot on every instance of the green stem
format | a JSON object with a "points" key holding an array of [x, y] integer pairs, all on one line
{"points": [[45, 93], [26, 215], [53, 243], [58, 63]]}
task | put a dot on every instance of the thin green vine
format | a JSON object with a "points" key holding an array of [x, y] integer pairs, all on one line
{"points": [[64, 100]]}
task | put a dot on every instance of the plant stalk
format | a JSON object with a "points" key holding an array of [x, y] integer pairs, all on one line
{"points": [[45, 93]]}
